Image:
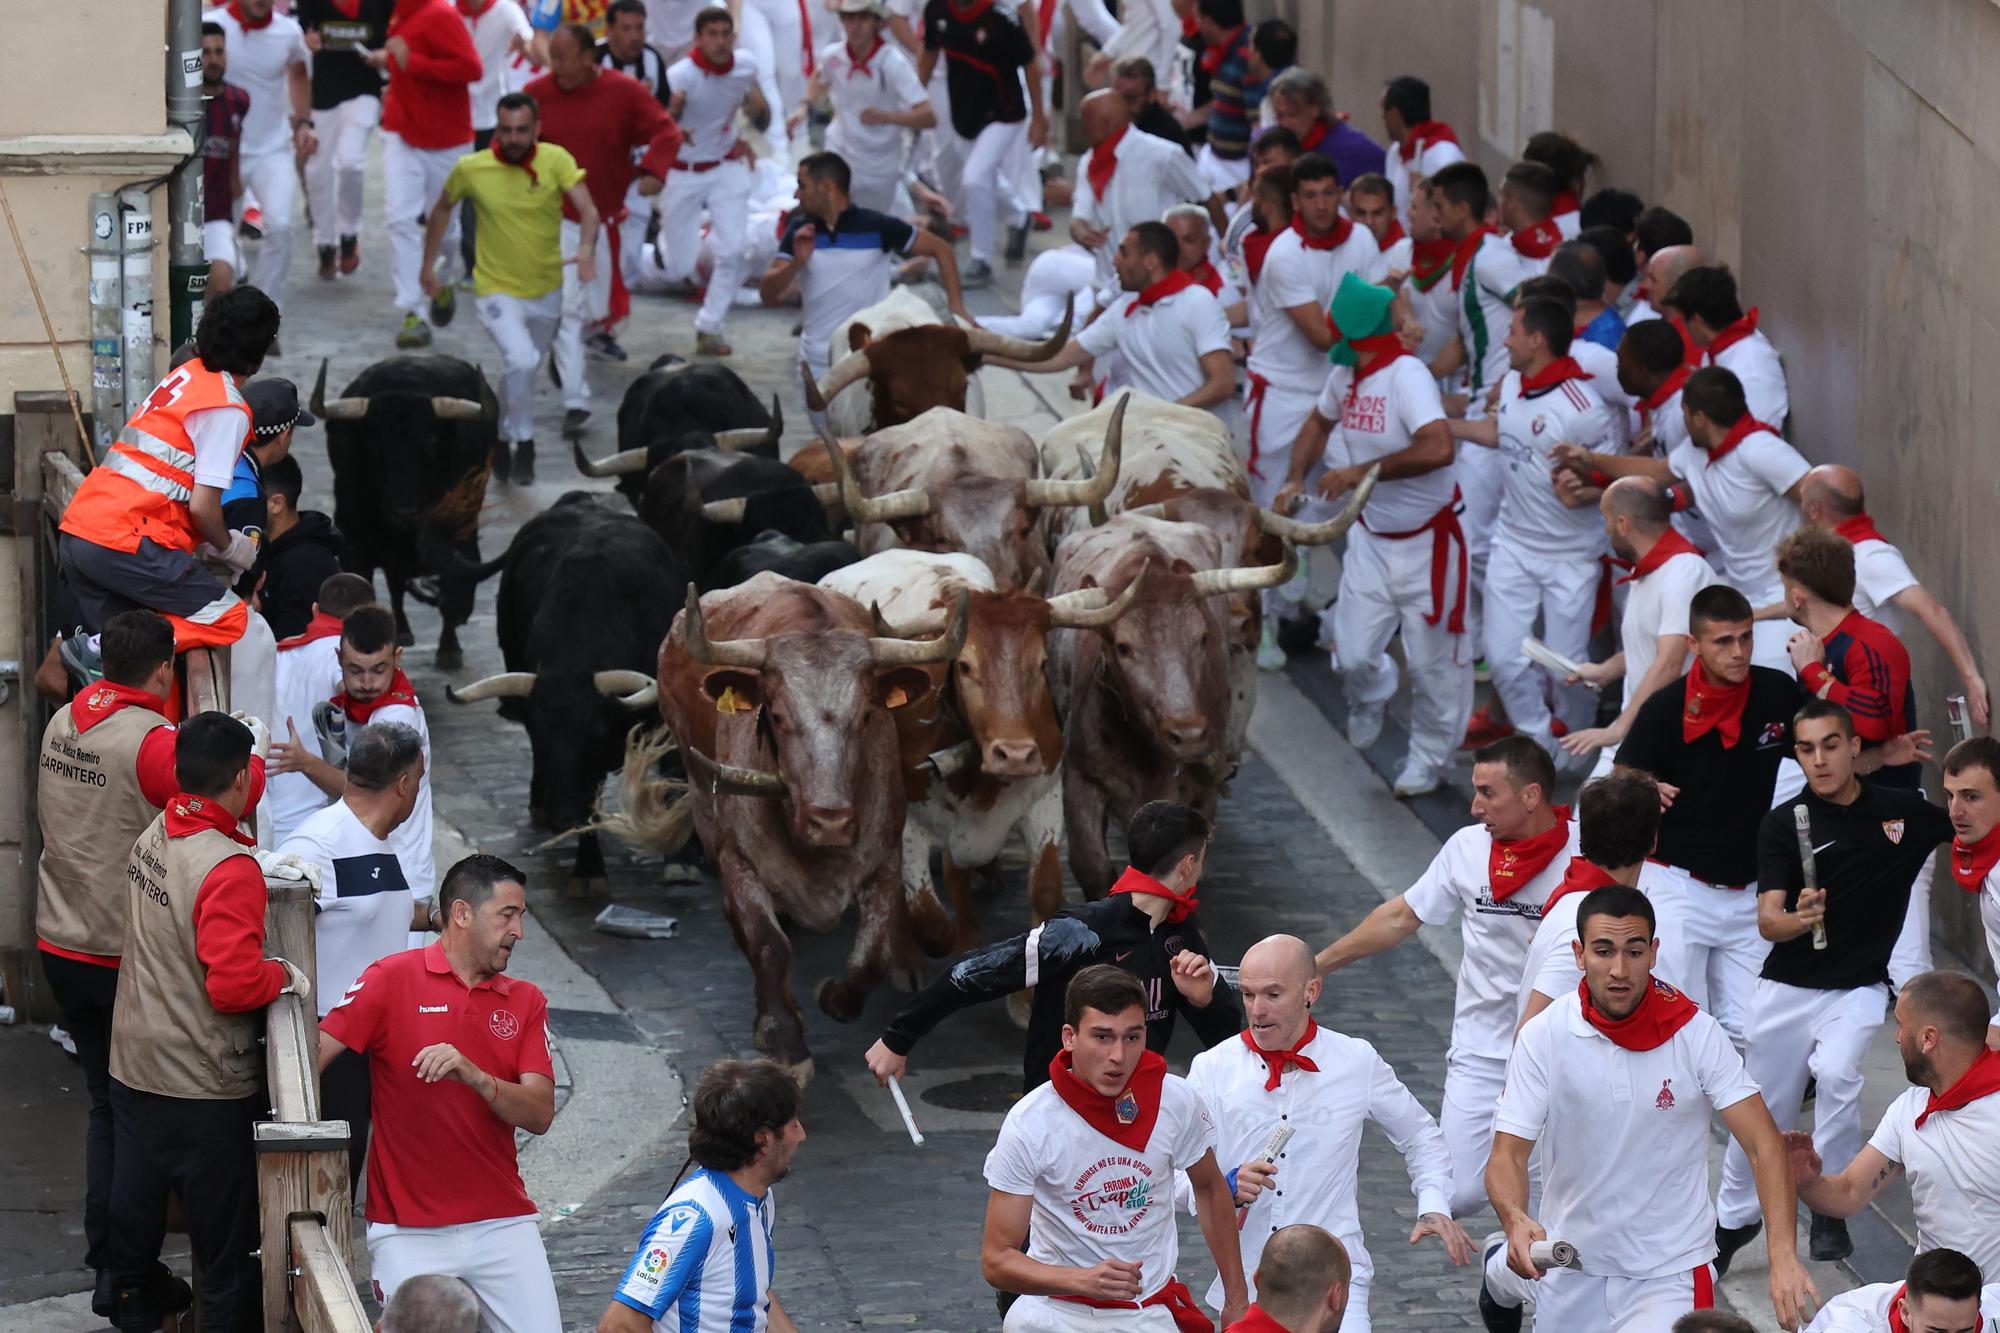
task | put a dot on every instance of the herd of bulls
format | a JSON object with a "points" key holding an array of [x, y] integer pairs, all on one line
{"points": [[925, 637]]}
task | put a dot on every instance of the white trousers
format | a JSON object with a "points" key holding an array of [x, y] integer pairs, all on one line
{"points": [[759, 36], [980, 191], [274, 179], [1796, 1033], [1472, 1087], [1716, 952], [522, 329], [1275, 426], [582, 303], [1045, 1314], [1567, 1301], [412, 178], [502, 1261], [1523, 587], [1481, 483], [333, 172], [787, 20], [724, 193], [1385, 590], [1913, 946], [631, 234]]}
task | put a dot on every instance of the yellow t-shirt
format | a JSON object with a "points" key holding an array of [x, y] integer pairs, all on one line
{"points": [[520, 218]]}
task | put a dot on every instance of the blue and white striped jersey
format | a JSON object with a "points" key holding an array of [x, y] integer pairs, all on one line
{"points": [[704, 1262]]}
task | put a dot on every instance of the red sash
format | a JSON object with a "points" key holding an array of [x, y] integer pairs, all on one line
{"points": [[1445, 533], [1179, 1301]]}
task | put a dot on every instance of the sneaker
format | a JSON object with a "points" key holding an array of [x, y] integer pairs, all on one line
{"points": [[977, 273], [1041, 222], [1415, 779], [350, 253], [327, 272], [414, 333], [524, 463], [1364, 725], [444, 305], [1270, 657], [501, 462], [574, 421], [67, 1042], [1829, 1241], [251, 228], [80, 656], [1482, 674], [1728, 1240], [1017, 244], [606, 346], [711, 344], [1496, 1317], [1484, 729], [555, 371]]}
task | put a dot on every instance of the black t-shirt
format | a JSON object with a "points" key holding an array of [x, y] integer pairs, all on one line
{"points": [[984, 56], [1711, 828], [1159, 122], [338, 74], [1865, 855]]}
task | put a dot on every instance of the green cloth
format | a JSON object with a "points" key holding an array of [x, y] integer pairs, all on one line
{"points": [[1360, 310]]}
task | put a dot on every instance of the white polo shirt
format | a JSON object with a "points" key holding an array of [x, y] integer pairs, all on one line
{"points": [[1657, 605], [1094, 1198], [1601, 364], [1152, 176], [1603, 1113], [1742, 498], [1531, 424], [1294, 275], [1866, 1309], [708, 116], [1434, 157], [363, 909], [306, 675], [1953, 1165], [1486, 310], [889, 84], [1396, 255], [1494, 936], [412, 838], [851, 268], [1755, 363], [1162, 344], [1317, 1171], [258, 61], [1377, 418], [1880, 573]]}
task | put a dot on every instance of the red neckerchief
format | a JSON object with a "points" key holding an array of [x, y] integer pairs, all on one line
{"points": [[1690, 354], [1539, 240], [1969, 865], [1554, 373], [1745, 427], [105, 699], [859, 64], [1732, 335], [321, 626], [1430, 260], [1256, 244], [1389, 238], [400, 691], [1104, 162], [1670, 386], [526, 164], [1176, 281], [1512, 862], [1462, 253], [1670, 544], [1342, 229], [1275, 1061], [1712, 707], [1565, 202], [1141, 1099], [1204, 275], [1316, 138], [188, 815], [1662, 1011], [472, 9], [1859, 529], [1981, 1080], [702, 61], [1579, 876], [1422, 135], [1372, 355], [1896, 1324], [967, 14], [1213, 56], [1254, 1320], [1135, 880], [349, 8], [249, 24]]}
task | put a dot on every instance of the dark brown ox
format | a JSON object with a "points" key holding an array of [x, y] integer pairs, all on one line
{"points": [[779, 697], [1146, 699]]}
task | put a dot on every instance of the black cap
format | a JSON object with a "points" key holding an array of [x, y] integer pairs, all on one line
{"points": [[274, 403]]}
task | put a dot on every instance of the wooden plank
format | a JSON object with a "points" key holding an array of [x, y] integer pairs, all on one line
{"points": [[322, 1290], [298, 1185], [207, 683], [60, 478], [291, 1059]]}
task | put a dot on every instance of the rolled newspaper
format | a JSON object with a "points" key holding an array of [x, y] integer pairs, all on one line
{"points": [[1535, 650], [1272, 1147], [903, 1108], [1802, 822], [1547, 1254]]}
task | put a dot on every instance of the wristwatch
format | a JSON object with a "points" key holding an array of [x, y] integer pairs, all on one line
{"points": [[299, 121]]}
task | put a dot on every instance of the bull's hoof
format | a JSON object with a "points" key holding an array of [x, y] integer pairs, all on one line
{"points": [[839, 999], [404, 638], [801, 1071], [586, 886], [764, 1034], [450, 659], [1019, 1005], [680, 872]]}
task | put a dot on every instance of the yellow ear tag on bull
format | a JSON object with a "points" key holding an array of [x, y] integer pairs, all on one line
{"points": [[727, 702], [897, 697]]}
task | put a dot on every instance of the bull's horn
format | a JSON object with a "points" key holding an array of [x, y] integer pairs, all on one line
{"points": [[1088, 608], [340, 409], [1093, 491], [1319, 534], [726, 511], [318, 401], [904, 652], [727, 779], [626, 462], [754, 437], [456, 409], [953, 760], [634, 689], [747, 653], [1218, 582], [850, 369], [987, 343], [507, 685], [827, 492], [881, 509]]}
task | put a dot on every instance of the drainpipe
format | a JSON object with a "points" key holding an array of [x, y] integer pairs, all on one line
{"points": [[107, 357], [187, 272], [135, 314]]}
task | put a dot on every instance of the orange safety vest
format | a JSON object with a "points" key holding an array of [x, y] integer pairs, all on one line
{"points": [[143, 485]]}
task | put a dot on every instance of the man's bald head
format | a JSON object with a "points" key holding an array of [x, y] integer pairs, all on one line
{"points": [[431, 1303], [1104, 114], [1831, 495], [1641, 501], [1298, 1273], [1667, 265], [1281, 956]]}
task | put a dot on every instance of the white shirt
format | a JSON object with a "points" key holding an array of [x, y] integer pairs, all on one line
{"points": [[1552, 969], [708, 114], [1152, 29], [891, 84], [1953, 1165], [1095, 1199], [1755, 363], [412, 838], [1316, 1180], [493, 29], [1655, 606], [306, 675], [707, 1246], [671, 22], [1486, 310], [259, 59], [1433, 159], [218, 434], [1531, 425], [1294, 275], [1866, 1309], [363, 909], [1151, 177], [1395, 259], [1378, 419], [1162, 343], [1880, 573], [1601, 364], [849, 271], [1603, 1113], [1495, 936], [1436, 308], [1743, 500]]}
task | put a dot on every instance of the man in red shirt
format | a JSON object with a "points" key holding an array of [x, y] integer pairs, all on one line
{"points": [[458, 1059], [426, 127], [601, 116]]}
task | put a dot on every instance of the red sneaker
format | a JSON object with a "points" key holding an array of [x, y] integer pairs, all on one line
{"points": [[1484, 729], [1041, 222]]}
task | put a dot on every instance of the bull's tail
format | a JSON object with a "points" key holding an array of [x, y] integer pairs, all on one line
{"points": [[653, 812], [439, 553]]}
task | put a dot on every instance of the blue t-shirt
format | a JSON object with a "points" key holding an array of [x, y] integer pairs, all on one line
{"points": [[1607, 330]]}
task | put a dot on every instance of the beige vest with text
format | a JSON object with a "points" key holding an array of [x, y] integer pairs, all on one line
{"points": [[91, 812]]}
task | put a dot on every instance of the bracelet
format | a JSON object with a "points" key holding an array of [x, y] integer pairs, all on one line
{"points": [[302, 122]]}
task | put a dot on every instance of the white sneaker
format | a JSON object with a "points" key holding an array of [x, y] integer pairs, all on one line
{"points": [[1364, 726], [1270, 657], [1293, 591], [1415, 779]]}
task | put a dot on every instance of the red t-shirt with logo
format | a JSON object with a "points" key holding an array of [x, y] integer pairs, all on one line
{"points": [[440, 1156]]}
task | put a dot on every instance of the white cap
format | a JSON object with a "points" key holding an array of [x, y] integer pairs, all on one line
{"points": [[861, 7]]}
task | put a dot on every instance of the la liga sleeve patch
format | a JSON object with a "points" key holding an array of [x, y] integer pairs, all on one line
{"points": [[674, 1246]]}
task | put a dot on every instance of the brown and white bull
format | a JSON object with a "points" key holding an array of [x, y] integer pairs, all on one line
{"points": [[897, 359], [779, 696], [981, 756]]}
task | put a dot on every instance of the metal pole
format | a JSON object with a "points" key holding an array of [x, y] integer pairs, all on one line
{"points": [[187, 273], [107, 381], [135, 215]]}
